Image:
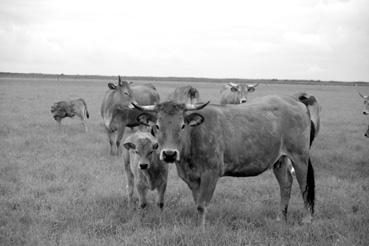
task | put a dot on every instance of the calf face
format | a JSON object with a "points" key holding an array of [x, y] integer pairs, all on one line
{"points": [[144, 148]]}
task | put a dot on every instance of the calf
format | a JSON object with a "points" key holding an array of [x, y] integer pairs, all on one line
{"points": [[70, 109], [143, 168]]}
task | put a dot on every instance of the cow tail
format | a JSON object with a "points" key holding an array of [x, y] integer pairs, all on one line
{"points": [[313, 107], [310, 188], [86, 111]]}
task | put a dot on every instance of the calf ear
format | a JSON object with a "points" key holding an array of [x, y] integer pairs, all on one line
{"points": [[146, 118], [129, 146], [194, 119], [112, 86]]}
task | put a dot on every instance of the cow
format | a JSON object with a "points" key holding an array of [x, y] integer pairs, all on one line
{"points": [[232, 93], [365, 110], [77, 107], [235, 140], [115, 109], [143, 168], [366, 104], [185, 94]]}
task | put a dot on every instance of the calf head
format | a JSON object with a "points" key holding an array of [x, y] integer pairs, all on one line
{"points": [[144, 149], [171, 123]]}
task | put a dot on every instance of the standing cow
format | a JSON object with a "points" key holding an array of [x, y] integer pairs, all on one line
{"points": [[366, 111], [235, 140], [143, 168], [115, 109], [77, 107], [232, 93], [185, 94]]}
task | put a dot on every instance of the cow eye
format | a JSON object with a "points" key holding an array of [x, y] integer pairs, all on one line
{"points": [[126, 92], [150, 153], [157, 126], [183, 126]]}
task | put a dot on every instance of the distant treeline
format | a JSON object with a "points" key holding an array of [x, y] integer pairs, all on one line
{"points": [[179, 79]]}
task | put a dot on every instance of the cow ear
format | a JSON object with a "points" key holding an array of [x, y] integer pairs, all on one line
{"points": [[194, 119], [250, 88], [112, 86], [155, 146], [146, 118], [129, 146]]}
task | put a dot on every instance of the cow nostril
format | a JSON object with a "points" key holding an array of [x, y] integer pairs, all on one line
{"points": [[243, 100], [144, 166]]}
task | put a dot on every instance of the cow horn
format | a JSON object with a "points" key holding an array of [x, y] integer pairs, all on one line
{"points": [[144, 108], [365, 97], [197, 106]]}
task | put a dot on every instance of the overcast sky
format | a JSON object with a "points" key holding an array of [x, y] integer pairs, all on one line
{"points": [[285, 39]]}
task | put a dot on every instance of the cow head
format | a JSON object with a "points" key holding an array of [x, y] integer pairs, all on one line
{"points": [[366, 104], [193, 95], [144, 149], [61, 110], [240, 91], [171, 123], [123, 87]]}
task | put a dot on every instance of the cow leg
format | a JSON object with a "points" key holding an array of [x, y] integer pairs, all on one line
{"points": [[84, 124], [130, 177], [119, 138], [111, 136], [285, 180], [161, 191], [206, 190], [305, 177]]}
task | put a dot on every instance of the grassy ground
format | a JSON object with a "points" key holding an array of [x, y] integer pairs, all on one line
{"points": [[59, 186]]}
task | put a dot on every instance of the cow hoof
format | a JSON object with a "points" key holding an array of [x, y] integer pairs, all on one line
{"points": [[161, 205], [143, 205]]}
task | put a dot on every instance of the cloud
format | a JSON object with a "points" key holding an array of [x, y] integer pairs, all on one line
{"points": [[317, 39]]}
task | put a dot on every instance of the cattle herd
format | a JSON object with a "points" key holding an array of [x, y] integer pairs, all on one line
{"points": [[237, 137]]}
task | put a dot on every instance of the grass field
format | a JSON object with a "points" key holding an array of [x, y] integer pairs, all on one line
{"points": [[61, 187]]}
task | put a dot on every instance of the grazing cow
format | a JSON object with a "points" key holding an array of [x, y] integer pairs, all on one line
{"points": [[115, 109], [143, 168], [366, 104], [235, 140], [185, 94], [232, 93], [366, 110], [70, 109]]}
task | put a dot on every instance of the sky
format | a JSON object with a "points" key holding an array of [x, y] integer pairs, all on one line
{"points": [[260, 39]]}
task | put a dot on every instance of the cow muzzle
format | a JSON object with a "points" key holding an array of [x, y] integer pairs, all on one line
{"points": [[169, 155], [144, 166]]}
